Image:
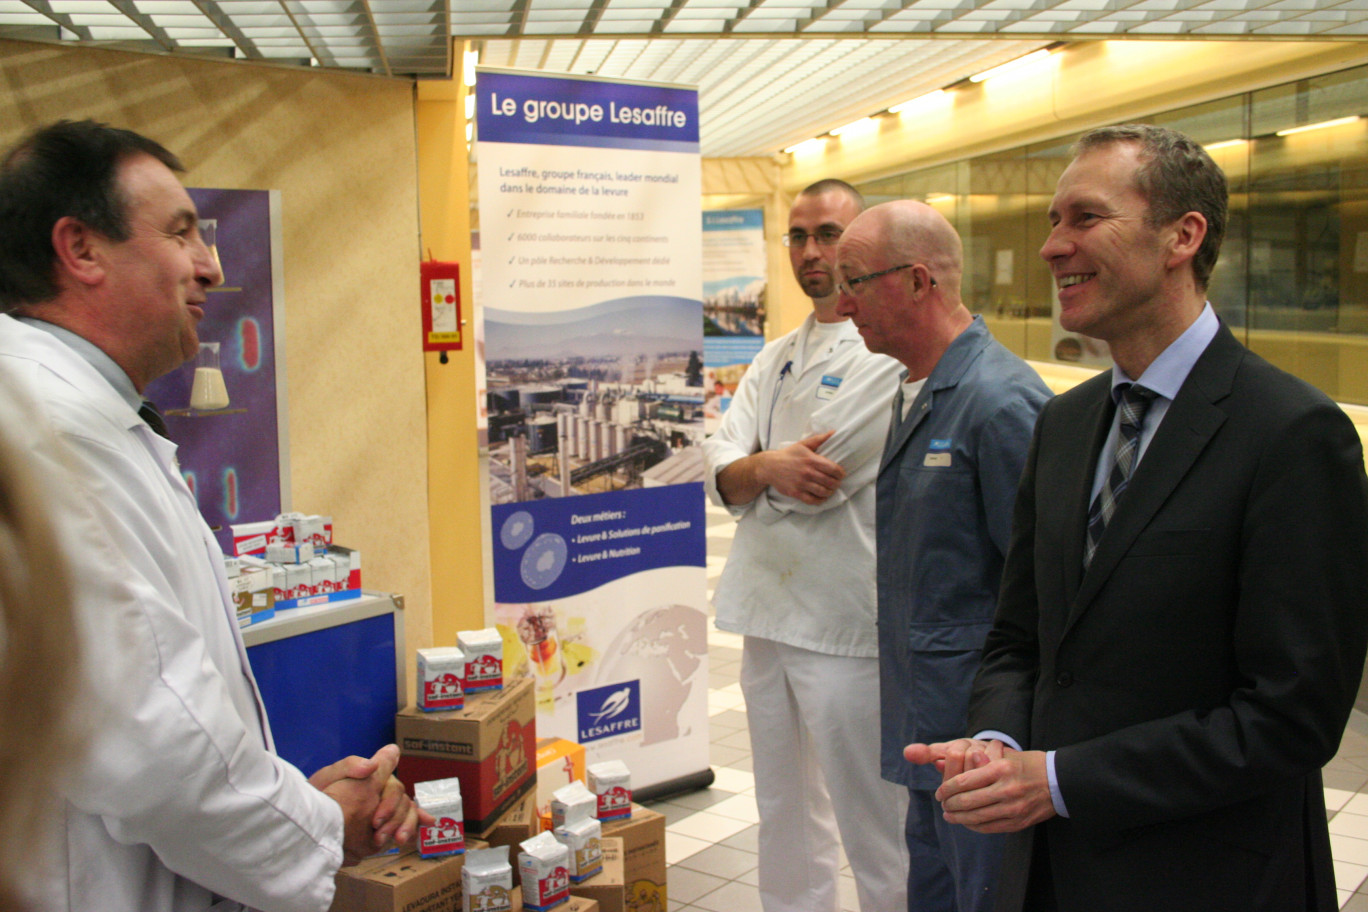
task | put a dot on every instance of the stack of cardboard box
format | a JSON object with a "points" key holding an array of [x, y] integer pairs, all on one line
{"points": [[489, 744]]}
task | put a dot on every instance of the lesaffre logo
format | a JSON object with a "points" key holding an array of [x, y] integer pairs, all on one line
{"points": [[608, 711]]}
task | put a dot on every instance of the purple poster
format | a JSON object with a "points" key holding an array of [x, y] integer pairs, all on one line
{"points": [[231, 457]]}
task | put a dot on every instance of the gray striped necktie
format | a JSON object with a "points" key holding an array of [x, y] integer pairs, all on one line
{"points": [[1135, 402]]}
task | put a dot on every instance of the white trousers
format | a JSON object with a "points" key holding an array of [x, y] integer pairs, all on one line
{"points": [[814, 731]]}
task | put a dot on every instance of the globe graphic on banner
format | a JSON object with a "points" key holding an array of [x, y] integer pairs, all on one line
{"points": [[664, 649]]}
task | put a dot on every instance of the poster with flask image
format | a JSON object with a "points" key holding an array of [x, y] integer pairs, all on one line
{"points": [[229, 422]]}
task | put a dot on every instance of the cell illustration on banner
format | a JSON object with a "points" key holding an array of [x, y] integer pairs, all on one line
{"points": [[517, 530], [544, 560], [248, 344]]}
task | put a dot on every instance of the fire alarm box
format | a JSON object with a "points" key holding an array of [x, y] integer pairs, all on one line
{"points": [[441, 305]]}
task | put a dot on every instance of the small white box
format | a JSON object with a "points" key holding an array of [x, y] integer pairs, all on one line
{"points": [[439, 678]]}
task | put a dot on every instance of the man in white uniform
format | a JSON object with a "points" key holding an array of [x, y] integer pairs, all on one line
{"points": [[180, 803], [794, 461]]}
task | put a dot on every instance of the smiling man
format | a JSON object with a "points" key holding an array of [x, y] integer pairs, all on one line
{"points": [[1184, 611], [794, 462], [180, 803], [961, 423]]}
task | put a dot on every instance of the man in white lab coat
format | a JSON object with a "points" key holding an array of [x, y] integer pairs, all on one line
{"points": [[794, 461], [180, 803]]}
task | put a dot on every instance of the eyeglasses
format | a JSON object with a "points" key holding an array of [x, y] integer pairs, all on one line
{"points": [[852, 286], [825, 237]]}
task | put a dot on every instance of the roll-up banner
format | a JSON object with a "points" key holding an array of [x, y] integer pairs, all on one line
{"points": [[590, 196], [734, 291]]}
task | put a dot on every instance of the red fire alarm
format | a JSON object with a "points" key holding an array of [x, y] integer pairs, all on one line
{"points": [[441, 305]]}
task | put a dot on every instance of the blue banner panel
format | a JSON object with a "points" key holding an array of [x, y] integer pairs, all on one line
{"points": [[562, 546], [605, 712], [541, 110]]}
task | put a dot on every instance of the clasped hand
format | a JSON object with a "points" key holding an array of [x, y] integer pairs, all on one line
{"points": [[986, 786], [375, 807]]}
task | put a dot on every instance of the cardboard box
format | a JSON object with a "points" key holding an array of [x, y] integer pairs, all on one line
{"points": [[573, 904], [518, 824], [559, 762], [490, 745], [643, 857], [608, 887], [253, 595], [400, 883]]}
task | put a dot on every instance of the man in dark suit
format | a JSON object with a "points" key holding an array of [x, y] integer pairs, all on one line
{"points": [[1182, 624]]}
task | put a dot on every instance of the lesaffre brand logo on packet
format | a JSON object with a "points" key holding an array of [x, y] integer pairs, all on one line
{"points": [[604, 712]]}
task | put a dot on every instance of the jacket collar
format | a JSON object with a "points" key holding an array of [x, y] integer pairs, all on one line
{"points": [[1192, 421], [949, 370]]}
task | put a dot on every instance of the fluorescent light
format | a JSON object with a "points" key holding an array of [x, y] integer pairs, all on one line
{"points": [[1339, 121], [934, 198], [806, 146], [855, 126], [469, 62], [470, 105], [1224, 144], [1011, 65], [917, 102], [470, 130]]}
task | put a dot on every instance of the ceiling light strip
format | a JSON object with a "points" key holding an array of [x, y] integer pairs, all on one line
{"points": [[1337, 122]]}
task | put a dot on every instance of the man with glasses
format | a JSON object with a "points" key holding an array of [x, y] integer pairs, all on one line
{"points": [[960, 428], [794, 461]]}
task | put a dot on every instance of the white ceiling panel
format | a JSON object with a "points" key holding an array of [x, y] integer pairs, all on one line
{"points": [[770, 73]]}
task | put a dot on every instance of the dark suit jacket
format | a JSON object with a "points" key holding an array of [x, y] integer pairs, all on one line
{"points": [[1198, 675]]}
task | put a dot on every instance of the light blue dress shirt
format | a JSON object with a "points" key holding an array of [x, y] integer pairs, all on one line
{"points": [[95, 355]]}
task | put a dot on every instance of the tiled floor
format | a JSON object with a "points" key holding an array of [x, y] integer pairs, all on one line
{"points": [[711, 835]]}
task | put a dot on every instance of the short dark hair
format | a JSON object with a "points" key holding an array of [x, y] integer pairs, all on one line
{"points": [[68, 168], [834, 185], [1176, 176]]}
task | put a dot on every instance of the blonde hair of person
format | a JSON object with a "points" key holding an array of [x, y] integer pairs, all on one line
{"points": [[38, 669]]}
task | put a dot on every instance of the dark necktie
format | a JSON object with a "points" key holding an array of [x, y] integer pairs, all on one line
{"points": [[1135, 401], [148, 412]]}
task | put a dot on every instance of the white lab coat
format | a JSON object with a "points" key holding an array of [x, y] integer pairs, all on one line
{"points": [[799, 574], [181, 800]]}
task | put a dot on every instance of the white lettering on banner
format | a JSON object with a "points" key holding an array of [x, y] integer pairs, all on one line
{"points": [[535, 110], [602, 731], [661, 116]]}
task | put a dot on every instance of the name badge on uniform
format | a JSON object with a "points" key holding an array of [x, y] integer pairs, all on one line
{"points": [[827, 388], [937, 454]]}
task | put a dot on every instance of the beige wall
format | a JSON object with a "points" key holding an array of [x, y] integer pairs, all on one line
{"points": [[341, 150], [454, 495]]}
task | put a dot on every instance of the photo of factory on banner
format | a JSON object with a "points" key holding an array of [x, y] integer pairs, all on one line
{"points": [[605, 424]]}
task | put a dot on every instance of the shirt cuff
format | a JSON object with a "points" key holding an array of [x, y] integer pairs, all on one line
{"points": [[992, 734], [1056, 796]]}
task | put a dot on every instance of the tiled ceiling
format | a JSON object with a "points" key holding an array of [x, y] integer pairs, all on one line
{"points": [[770, 72]]}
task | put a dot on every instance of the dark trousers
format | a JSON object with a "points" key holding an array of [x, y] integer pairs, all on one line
{"points": [[950, 868]]}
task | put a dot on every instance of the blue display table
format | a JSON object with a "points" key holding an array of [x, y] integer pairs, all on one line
{"points": [[331, 676]]}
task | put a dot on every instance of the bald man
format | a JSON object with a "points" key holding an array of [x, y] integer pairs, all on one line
{"points": [[960, 428]]}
